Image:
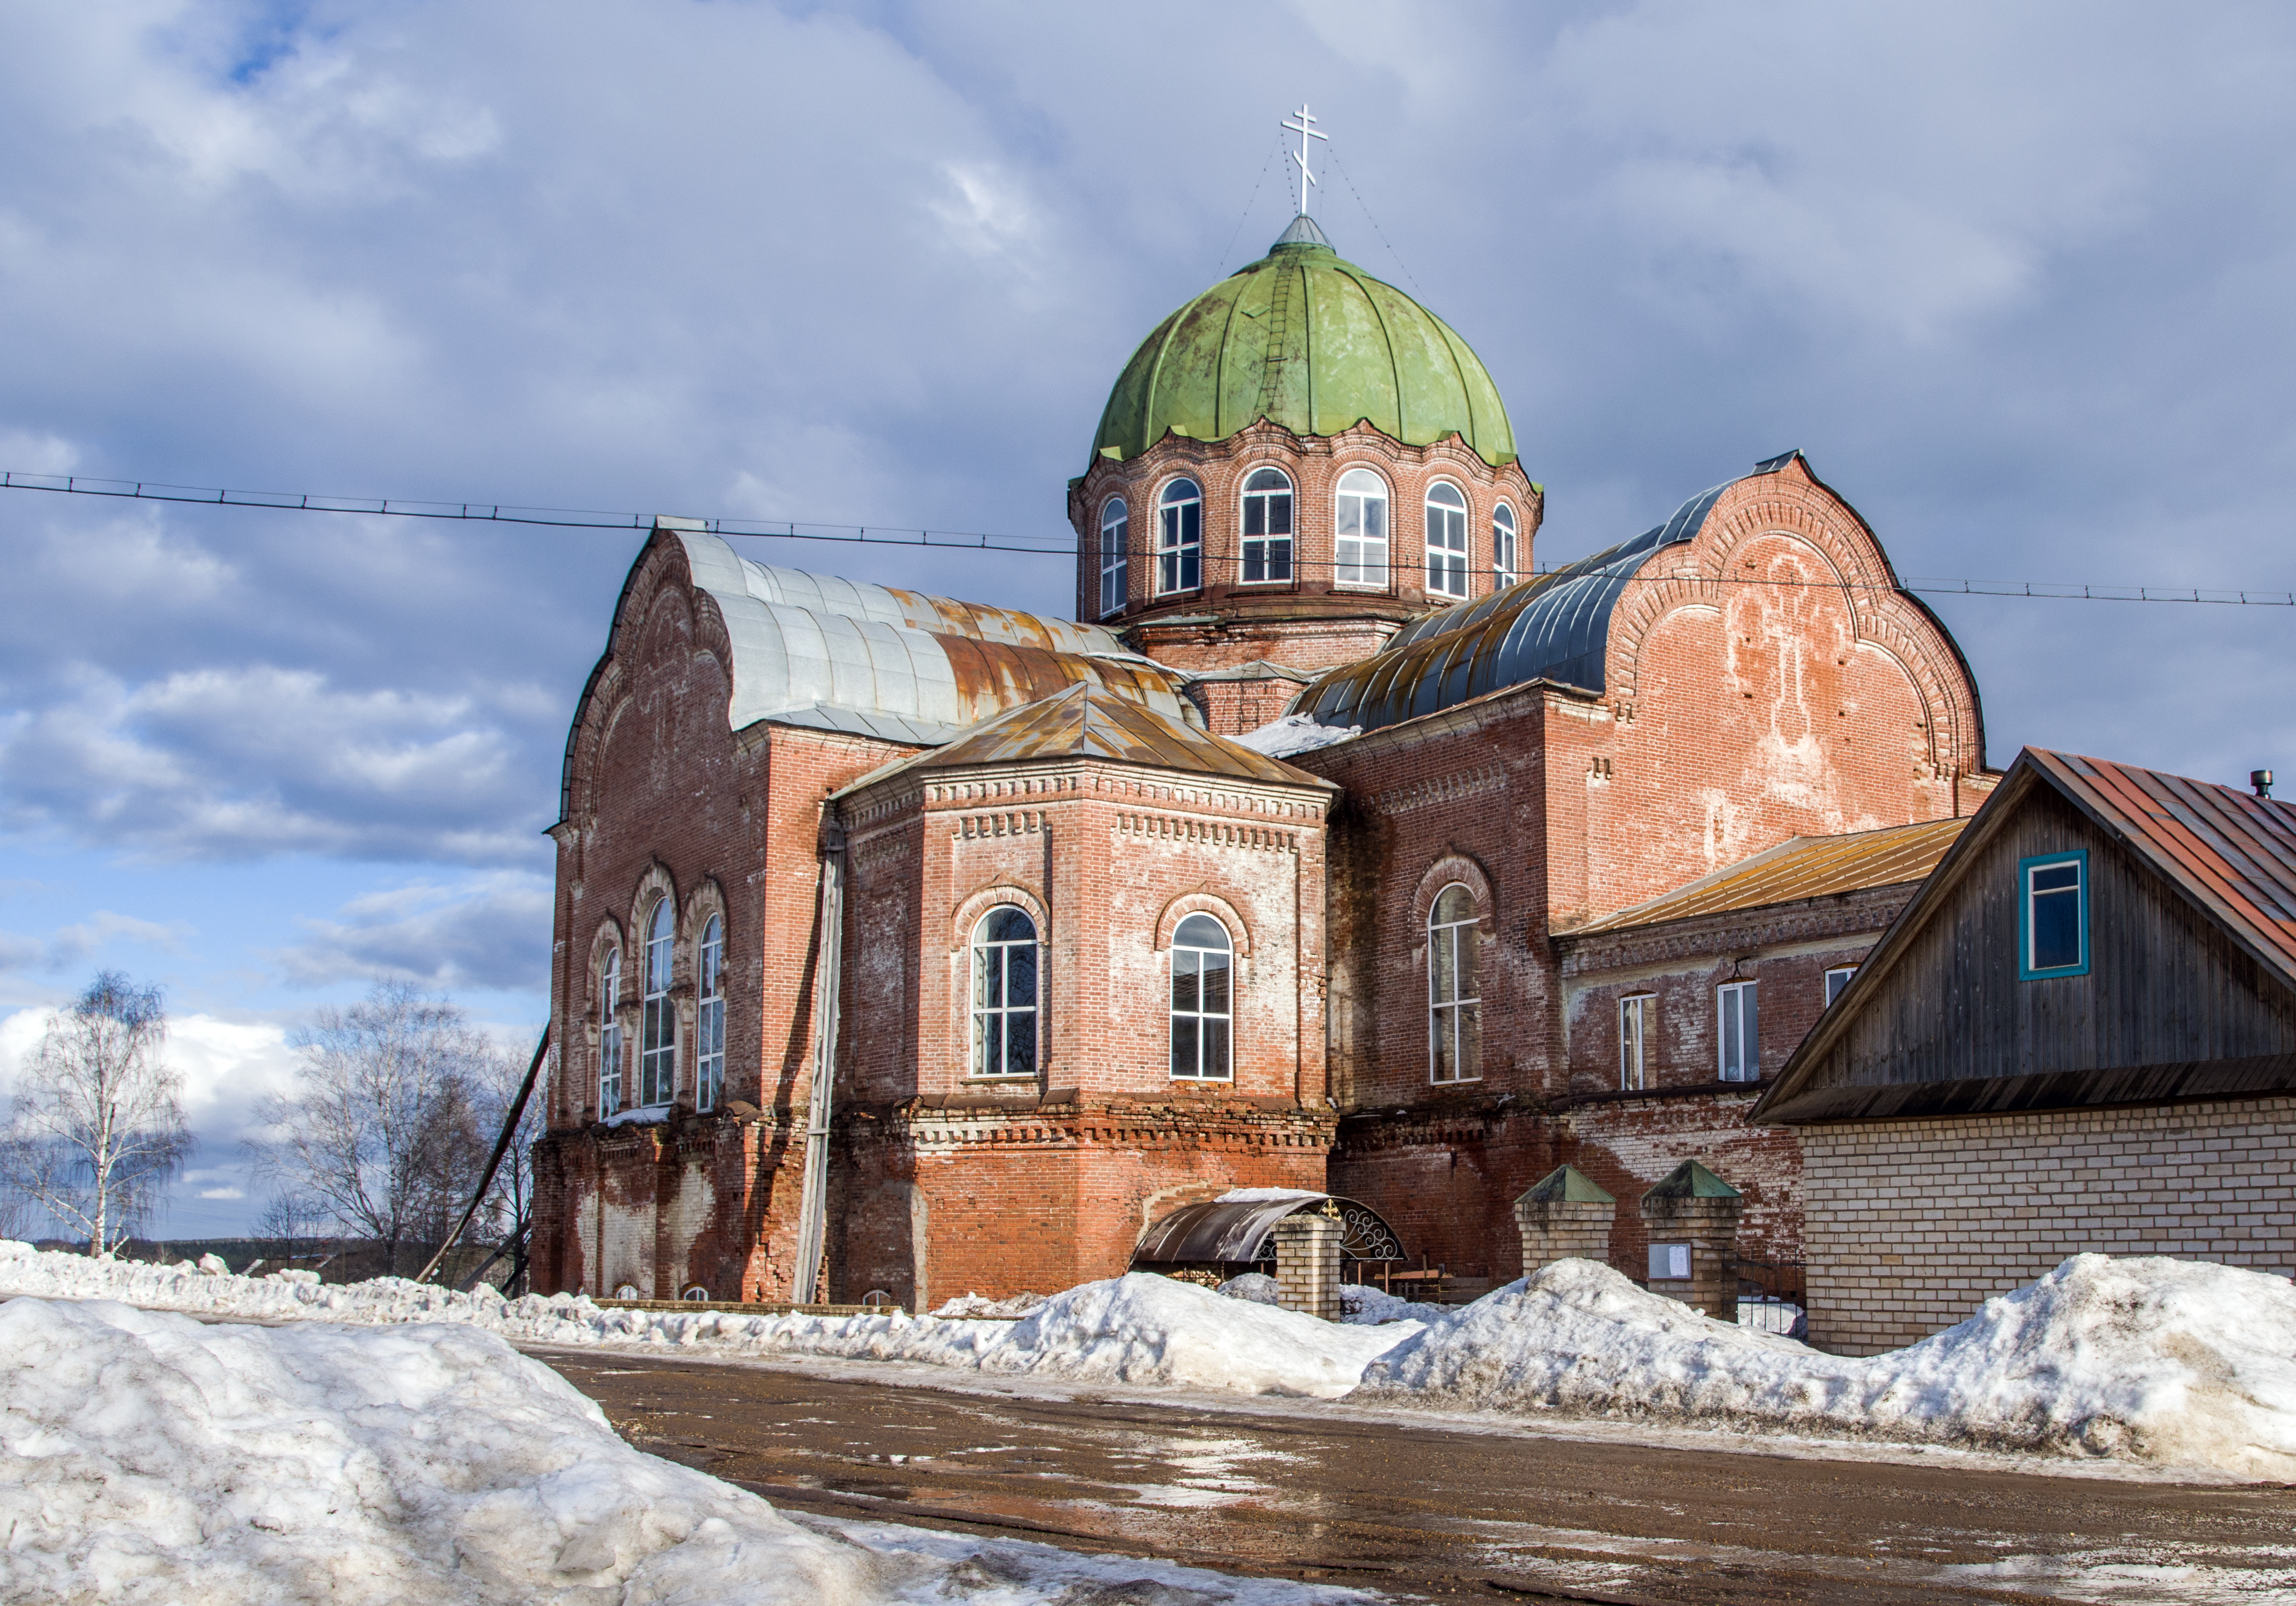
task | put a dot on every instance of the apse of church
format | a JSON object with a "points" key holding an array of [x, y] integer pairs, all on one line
{"points": [[1331, 848]]}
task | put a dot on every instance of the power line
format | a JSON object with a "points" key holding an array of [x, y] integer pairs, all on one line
{"points": [[1043, 547]]}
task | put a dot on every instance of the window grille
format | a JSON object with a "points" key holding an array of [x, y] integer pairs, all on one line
{"points": [[657, 1022], [1454, 1007], [709, 1018], [1634, 1034], [1267, 527], [1204, 1008], [1447, 541], [1738, 1033], [610, 1036], [1180, 538], [1504, 567], [1005, 977], [1115, 554], [1360, 550]]}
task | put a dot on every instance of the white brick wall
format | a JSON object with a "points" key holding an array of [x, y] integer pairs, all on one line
{"points": [[1911, 1225]]}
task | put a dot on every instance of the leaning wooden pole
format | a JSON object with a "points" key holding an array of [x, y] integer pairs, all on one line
{"points": [[812, 1203], [494, 1162]]}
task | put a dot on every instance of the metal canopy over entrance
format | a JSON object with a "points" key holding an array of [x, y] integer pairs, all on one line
{"points": [[1239, 1231]]}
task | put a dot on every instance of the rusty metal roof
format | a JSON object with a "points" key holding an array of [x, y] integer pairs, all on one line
{"points": [[1089, 722], [1803, 867], [1553, 626], [837, 654]]}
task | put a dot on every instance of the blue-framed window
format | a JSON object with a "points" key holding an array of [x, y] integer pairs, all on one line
{"points": [[2053, 915]]}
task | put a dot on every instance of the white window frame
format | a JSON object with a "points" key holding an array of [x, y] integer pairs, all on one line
{"points": [[997, 953], [1506, 546], [1187, 958], [1359, 562], [1179, 543], [1452, 1021], [1833, 986], [710, 1016], [610, 1035], [1267, 541], [657, 1019], [1635, 1013], [1738, 1032], [1447, 544], [1115, 555]]}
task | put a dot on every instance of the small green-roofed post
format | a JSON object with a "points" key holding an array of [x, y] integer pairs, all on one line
{"points": [[1690, 1180], [1564, 1216], [1690, 1218]]}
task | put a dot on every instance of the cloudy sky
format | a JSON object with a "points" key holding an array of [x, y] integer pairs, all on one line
{"points": [[2016, 277]]}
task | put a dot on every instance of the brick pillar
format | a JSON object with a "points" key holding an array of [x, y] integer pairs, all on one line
{"points": [[1692, 1216], [1307, 1265], [1564, 1216]]}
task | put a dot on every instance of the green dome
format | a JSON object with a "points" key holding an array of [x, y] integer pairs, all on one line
{"points": [[1310, 341]]}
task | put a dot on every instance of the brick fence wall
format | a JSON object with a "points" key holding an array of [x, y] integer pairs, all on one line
{"points": [[1911, 1225]]}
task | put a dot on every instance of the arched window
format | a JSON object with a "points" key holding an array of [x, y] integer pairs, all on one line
{"points": [[1359, 556], [1446, 540], [1267, 527], [1115, 549], [709, 1018], [1202, 1006], [1455, 1009], [610, 1035], [1504, 569], [1180, 537], [1004, 994], [657, 1024]]}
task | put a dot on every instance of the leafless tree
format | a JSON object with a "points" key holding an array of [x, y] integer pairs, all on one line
{"points": [[384, 1134], [97, 1127], [507, 1214]]}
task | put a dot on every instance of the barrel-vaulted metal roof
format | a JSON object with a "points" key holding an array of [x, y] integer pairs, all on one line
{"points": [[1234, 1230], [1553, 626], [837, 654]]}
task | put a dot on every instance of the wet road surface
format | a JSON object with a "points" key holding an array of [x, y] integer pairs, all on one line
{"points": [[1420, 1511]]}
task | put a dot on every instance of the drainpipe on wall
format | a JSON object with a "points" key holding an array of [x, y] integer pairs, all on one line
{"points": [[812, 1207]]}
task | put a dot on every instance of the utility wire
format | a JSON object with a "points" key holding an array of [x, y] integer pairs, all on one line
{"points": [[1043, 547], [1400, 262], [1227, 250]]}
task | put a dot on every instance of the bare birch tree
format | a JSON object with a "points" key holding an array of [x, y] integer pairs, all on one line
{"points": [[382, 1133], [96, 1128]]}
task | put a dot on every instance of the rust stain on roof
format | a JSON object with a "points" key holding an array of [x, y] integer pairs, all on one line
{"points": [[1804, 868]]}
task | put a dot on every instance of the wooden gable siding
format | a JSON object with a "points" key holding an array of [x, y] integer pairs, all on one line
{"points": [[2164, 985]]}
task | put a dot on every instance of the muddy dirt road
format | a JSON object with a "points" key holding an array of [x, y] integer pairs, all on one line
{"points": [[1419, 1511]]}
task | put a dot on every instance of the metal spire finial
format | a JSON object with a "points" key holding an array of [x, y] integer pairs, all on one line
{"points": [[1306, 129]]}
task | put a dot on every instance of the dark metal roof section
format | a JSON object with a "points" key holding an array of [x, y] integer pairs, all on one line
{"points": [[1236, 1231], [1553, 626]]}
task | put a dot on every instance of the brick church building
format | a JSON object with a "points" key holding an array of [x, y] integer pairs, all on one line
{"points": [[1337, 850]]}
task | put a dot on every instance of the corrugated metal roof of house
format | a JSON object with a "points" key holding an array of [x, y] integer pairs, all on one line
{"points": [[1803, 867], [2231, 852], [1086, 722]]}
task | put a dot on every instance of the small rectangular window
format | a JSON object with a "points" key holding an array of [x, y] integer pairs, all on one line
{"points": [[1837, 978], [1737, 1032], [2053, 915], [1670, 1262], [1634, 1034]]}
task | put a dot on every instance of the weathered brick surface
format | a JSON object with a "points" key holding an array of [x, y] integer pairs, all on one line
{"points": [[1913, 1225]]}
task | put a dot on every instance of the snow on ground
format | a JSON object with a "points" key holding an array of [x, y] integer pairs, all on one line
{"points": [[155, 1459], [973, 1306], [2168, 1361]]}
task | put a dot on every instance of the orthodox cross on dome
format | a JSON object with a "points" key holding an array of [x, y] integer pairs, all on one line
{"points": [[1306, 129]]}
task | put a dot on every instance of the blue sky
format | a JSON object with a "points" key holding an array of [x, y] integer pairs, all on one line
{"points": [[2016, 278]]}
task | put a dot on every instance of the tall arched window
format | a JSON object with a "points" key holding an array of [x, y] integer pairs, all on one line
{"points": [[1505, 570], [1446, 540], [610, 1035], [1359, 556], [709, 1018], [1115, 553], [1204, 1010], [656, 1023], [1180, 537], [1004, 994], [1267, 527], [1455, 1008]]}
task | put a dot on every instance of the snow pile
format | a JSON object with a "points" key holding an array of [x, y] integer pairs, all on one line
{"points": [[2170, 1361], [1361, 1302], [1257, 1287], [970, 1305], [1295, 734]]}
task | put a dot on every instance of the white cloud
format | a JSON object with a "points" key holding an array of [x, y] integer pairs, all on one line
{"points": [[491, 932]]}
